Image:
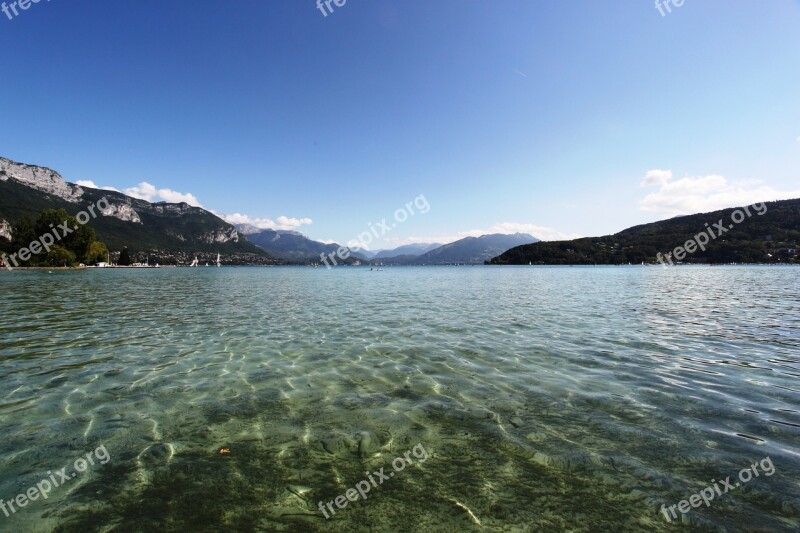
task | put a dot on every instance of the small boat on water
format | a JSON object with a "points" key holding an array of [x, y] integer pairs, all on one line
{"points": [[194, 263], [219, 262]]}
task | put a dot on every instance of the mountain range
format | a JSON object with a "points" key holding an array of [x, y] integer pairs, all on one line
{"points": [[175, 233], [291, 245], [470, 250], [296, 247], [408, 249]]}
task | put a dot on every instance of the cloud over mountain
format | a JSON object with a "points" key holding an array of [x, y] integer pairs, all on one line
{"points": [[150, 193], [280, 223], [701, 194]]}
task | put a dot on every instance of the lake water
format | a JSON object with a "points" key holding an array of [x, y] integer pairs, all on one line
{"points": [[529, 398]]}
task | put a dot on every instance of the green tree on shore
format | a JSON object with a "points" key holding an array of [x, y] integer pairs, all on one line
{"points": [[58, 256], [78, 244], [98, 253]]}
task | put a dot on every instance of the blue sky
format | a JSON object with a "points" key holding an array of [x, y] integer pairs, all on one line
{"points": [[506, 115]]}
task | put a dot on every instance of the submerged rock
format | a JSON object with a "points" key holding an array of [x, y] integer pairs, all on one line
{"points": [[368, 443], [158, 453], [335, 445]]}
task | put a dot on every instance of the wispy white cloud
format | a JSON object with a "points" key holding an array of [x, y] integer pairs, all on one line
{"points": [[150, 193], [147, 192], [280, 223], [91, 185], [656, 177], [701, 194]]}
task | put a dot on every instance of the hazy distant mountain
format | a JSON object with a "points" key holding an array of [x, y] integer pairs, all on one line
{"points": [[770, 236], [292, 245], [472, 250], [408, 249], [365, 254], [174, 231]]}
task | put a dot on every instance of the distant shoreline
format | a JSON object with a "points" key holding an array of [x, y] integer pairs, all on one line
{"points": [[2, 269], [43, 268]]}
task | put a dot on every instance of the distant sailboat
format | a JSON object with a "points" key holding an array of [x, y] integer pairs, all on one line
{"points": [[195, 262], [219, 263]]}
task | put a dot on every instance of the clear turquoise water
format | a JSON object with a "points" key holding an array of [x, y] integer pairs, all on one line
{"points": [[547, 399]]}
